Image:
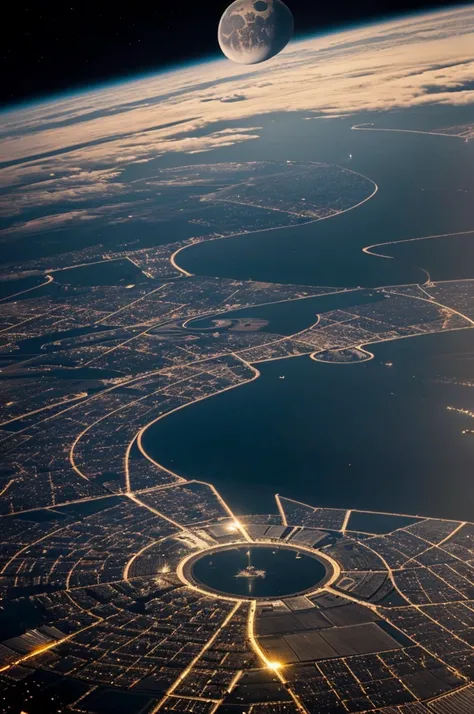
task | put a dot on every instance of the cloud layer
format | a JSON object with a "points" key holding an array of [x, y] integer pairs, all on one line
{"points": [[75, 149]]}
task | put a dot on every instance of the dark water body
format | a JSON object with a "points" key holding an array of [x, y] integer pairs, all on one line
{"points": [[88, 508], [448, 258], [364, 436], [113, 272], [286, 571], [377, 523], [49, 290], [17, 617], [286, 318], [11, 287], [425, 188]]}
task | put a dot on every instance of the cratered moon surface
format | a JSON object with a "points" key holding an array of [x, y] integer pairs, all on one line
{"points": [[252, 31]]}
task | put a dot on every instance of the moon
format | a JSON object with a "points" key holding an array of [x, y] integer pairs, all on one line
{"points": [[252, 31]]}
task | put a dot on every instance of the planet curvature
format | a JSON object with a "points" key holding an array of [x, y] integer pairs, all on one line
{"points": [[253, 31]]}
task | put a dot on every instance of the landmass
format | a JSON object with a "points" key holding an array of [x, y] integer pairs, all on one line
{"points": [[96, 532]]}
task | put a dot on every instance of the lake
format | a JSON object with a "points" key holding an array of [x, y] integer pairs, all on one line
{"points": [[367, 436]]}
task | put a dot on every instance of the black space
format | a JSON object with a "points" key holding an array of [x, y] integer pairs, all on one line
{"points": [[50, 47]]}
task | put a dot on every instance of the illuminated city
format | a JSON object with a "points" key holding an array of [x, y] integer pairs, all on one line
{"points": [[105, 542], [236, 378]]}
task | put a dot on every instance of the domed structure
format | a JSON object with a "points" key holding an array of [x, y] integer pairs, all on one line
{"points": [[252, 31]]}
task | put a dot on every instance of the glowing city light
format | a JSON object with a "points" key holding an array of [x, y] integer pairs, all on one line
{"points": [[275, 666], [233, 526]]}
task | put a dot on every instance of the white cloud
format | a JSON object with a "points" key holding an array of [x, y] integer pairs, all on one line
{"points": [[76, 187], [88, 139], [46, 223], [377, 67]]}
